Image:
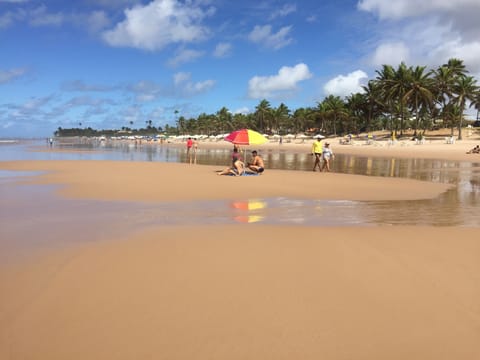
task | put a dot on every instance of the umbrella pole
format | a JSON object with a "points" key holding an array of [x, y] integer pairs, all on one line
{"points": [[244, 159]]}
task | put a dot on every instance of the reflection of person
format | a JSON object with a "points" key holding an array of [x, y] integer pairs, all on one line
{"points": [[327, 154], [194, 148], [317, 151], [256, 164]]}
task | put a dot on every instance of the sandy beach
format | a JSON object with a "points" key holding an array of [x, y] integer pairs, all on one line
{"points": [[244, 291]]}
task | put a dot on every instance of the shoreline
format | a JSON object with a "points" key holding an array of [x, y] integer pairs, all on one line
{"points": [[434, 147], [138, 181]]}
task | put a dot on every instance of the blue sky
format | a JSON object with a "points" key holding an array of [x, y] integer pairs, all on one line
{"points": [[104, 63]]}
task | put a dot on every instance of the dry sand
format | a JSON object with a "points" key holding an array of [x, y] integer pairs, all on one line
{"points": [[245, 291]]}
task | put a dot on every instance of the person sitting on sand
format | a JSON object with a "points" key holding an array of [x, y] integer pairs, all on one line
{"points": [[237, 167], [256, 164], [475, 150]]}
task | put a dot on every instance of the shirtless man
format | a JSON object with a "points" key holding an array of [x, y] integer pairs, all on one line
{"points": [[256, 164]]}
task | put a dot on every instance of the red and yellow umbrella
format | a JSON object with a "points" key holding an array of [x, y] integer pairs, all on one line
{"points": [[249, 205], [246, 137]]}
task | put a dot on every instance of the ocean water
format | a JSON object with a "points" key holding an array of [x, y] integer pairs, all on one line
{"points": [[35, 213]]}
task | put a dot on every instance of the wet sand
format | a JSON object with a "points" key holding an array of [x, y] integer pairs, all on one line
{"points": [[243, 291]]}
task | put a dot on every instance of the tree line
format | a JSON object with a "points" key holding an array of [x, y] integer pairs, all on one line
{"points": [[397, 99]]}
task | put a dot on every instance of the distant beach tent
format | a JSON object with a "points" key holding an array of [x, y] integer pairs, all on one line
{"points": [[319, 136]]}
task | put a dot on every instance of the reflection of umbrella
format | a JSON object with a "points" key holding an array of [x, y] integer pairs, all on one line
{"points": [[249, 205], [248, 219], [246, 137]]}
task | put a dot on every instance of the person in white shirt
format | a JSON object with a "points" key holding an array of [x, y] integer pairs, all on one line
{"points": [[327, 155]]}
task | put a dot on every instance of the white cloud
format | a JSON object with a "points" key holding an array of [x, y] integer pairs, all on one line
{"points": [[243, 110], [145, 91], [158, 24], [184, 56], [31, 107], [263, 35], [345, 85], [284, 11], [41, 17], [97, 20], [405, 8], [184, 86], [222, 50], [469, 53], [391, 54], [79, 85], [286, 80], [6, 20], [10, 75], [426, 33]]}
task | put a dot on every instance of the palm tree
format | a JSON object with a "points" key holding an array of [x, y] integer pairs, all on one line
{"points": [[465, 89], [280, 117], [224, 117], [443, 80], [456, 66], [356, 106], [396, 89], [372, 101], [263, 113], [418, 91], [335, 109], [181, 124], [382, 84], [300, 119], [476, 104]]}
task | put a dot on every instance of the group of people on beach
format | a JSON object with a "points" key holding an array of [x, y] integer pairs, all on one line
{"points": [[238, 167], [322, 151]]}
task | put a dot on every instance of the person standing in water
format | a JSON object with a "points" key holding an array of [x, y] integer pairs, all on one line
{"points": [[327, 154], [317, 149]]}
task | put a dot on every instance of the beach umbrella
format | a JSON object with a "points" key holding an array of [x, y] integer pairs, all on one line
{"points": [[245, 137]]}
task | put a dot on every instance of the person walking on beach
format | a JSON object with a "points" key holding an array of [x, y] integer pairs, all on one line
{"points": [[327, 154], [195, 148], [317, 149], [189, 148]]}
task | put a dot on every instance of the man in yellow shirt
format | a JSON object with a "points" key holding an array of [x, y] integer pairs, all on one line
{"points": [[317, 149]]}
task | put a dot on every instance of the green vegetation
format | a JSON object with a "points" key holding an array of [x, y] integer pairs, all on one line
{"points": [[397, 99]]}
